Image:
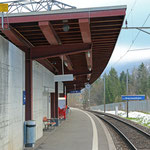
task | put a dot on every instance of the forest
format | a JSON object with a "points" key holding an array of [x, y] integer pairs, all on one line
{"points": [[137, 81]]}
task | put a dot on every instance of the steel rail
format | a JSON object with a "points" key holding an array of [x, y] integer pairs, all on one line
{"points": [[143, 132], [129, 143]]}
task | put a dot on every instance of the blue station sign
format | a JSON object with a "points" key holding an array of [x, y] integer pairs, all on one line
{"points": [[133, 97], [24, 97], [76, 91]]}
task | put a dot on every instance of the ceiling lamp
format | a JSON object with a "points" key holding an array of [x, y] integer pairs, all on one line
{"points": [[66, 27]]}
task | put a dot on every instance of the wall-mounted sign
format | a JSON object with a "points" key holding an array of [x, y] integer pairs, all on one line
{"points": [[66, 77], [62, 102], [24, 97], [76, 91], [3, 7]]}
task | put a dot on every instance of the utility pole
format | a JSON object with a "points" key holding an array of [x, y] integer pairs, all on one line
{"points": [[89, 98], [127, 93], [104, 97]]}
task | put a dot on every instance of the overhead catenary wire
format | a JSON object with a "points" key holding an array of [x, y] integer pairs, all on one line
{"points": [[129, 49], [140, 49], [132, 8]]}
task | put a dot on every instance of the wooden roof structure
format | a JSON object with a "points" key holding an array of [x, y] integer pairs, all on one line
{"points": [[85, 38]]}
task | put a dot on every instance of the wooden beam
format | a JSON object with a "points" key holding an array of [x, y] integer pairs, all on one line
{"points": [[68, 62], [89, 59], [82, 73], [43, 52], [86, 37], [85, 30], [16, 37], [88, 77], [53, 39], [49, 33], [46, 63]]}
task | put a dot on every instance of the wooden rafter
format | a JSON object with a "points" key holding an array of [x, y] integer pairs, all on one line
{"points": [[53, 39]]}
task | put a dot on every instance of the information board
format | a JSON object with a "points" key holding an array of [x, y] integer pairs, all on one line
{"points": [[76, 91], [3, 7], [133, 97]]}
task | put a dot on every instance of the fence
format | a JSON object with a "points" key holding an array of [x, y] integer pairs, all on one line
{"points": [[143, 106]]}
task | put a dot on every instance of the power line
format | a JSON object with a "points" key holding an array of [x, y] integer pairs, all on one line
{"points": [[132, 8], [132, 42], [140, 49]]}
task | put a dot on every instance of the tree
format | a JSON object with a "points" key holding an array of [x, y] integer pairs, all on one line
{"points": [[142, 79], [112, 87], [122, 80]]}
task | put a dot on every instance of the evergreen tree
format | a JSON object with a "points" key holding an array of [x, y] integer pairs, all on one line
{"points": [[142, 79], [112, 86], [123, 83]]}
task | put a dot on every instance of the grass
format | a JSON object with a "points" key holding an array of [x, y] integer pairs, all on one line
{"points": [[139, 121]]}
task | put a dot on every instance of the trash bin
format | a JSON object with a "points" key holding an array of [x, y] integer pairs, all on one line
{"points": [[30, 133]]}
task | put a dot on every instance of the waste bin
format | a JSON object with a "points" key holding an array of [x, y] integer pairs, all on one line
{"points": [[30, 133]]}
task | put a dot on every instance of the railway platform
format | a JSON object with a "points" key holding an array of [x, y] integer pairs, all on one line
{"points": [[81, 131]]}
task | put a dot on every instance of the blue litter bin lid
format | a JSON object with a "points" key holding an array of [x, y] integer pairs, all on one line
{"points": [[30, 123]]}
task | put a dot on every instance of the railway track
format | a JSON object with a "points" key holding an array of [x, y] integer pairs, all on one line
{"points": [[134, 137]]}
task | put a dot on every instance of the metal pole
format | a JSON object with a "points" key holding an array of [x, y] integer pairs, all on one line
{"points": [[127, 94], [2, 20], [89, 97], [104, 97], [62, 58]]}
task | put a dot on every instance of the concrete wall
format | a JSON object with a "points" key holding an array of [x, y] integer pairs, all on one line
{"points": [[12, 85], [4, 117], [16, 87], [43, 85]]}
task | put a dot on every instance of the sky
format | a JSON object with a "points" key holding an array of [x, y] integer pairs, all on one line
{"points": [[137, 15]]}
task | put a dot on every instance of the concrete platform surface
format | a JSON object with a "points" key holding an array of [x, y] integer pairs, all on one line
{"points": [[81, 131]]}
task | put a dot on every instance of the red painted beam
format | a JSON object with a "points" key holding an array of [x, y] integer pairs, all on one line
{"points": [[85, 30], [82, 73], [52, 105], [46, 63], [68, 62], [86, 37], [53, 39], [75, 15], [15, 37], [88, 56], [28, 87], [49, 33], [43, 52]]}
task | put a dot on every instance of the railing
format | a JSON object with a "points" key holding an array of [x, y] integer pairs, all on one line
{"points": [[21, 6], [143, 106]]}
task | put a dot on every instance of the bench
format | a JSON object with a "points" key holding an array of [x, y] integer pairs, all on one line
{"points": [[48, 123]]}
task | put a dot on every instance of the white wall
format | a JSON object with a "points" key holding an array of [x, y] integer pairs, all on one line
{"points": [[16, 86], [43, 85], [12, 85], [4, 69]]}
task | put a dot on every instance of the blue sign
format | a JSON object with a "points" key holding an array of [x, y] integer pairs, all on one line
{"points": [[133, 97], [76, 91], [24, 97]]}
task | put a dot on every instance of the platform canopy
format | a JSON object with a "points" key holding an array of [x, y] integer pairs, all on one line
{"points": [[85, 38]]}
